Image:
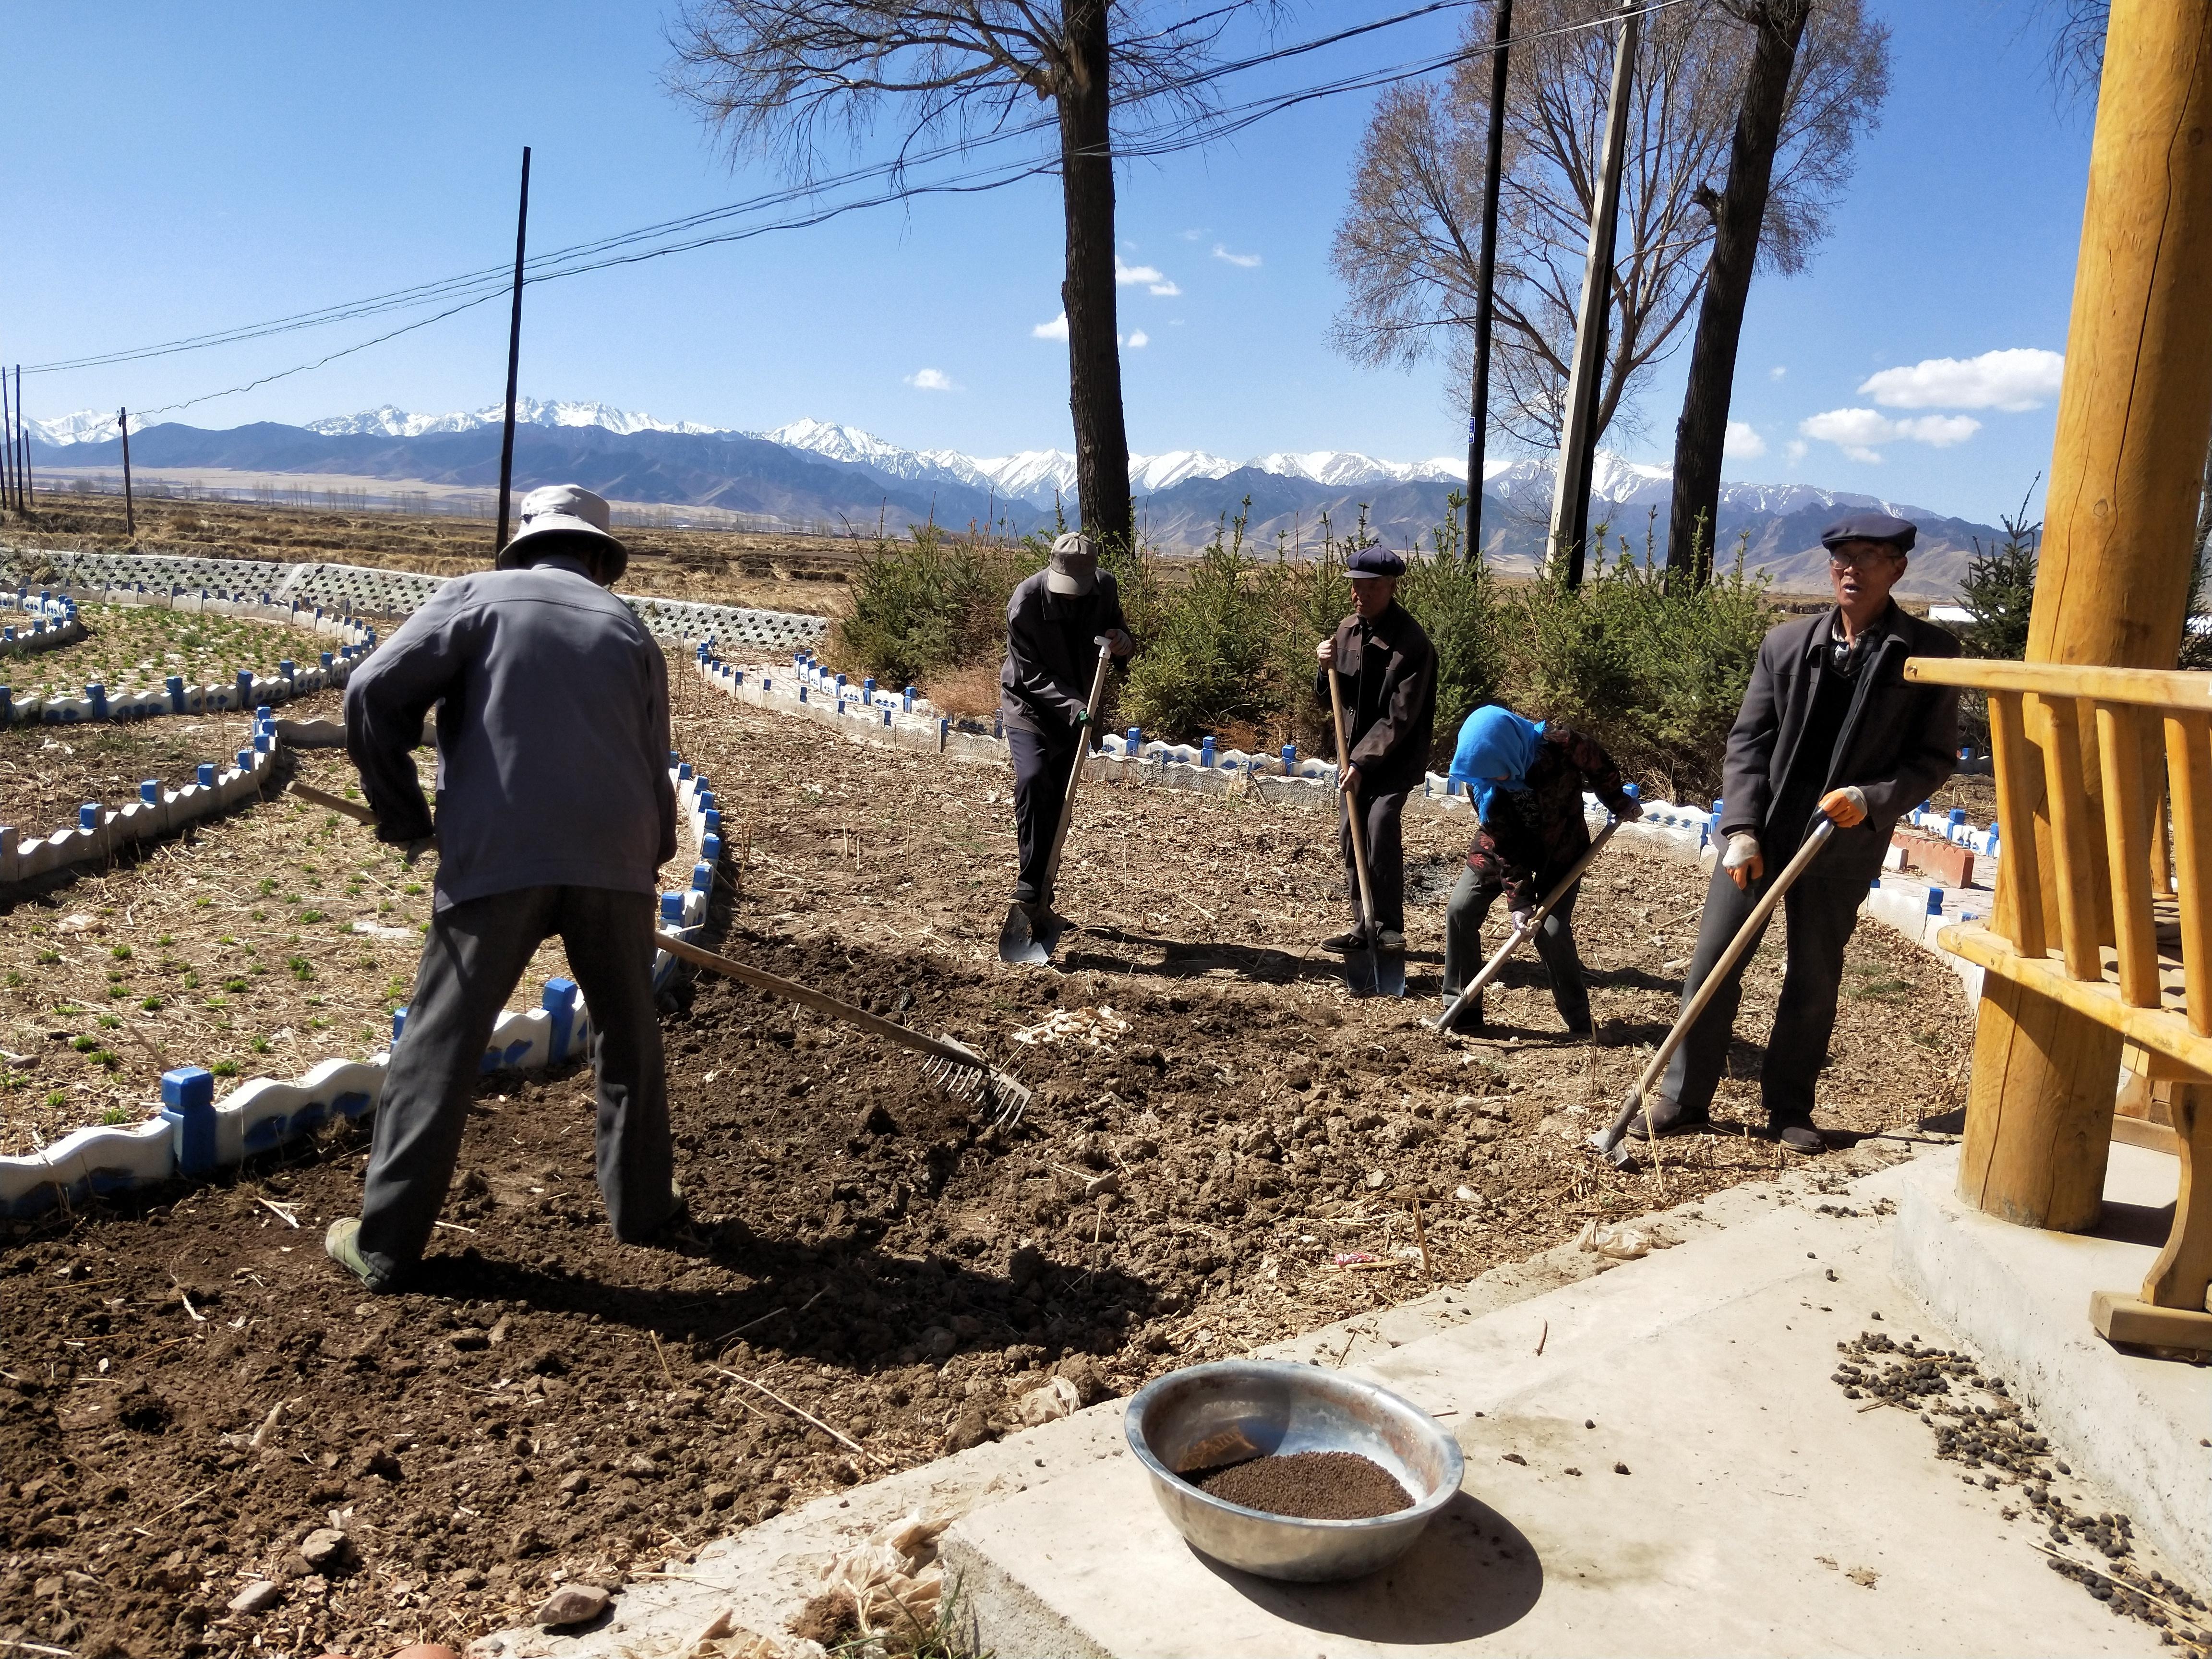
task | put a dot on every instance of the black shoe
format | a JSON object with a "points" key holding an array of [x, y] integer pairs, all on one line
{"points": [[1471, 1020], [1797, 1134], [1389, 938], [1356, 939], [1667, 1118], [1583, 1032]]}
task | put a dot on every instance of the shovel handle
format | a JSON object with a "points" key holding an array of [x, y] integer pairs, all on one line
{"points": [[1351, 810], [761, 980], [1075, 774], [1711, 986], [1514, 941]]}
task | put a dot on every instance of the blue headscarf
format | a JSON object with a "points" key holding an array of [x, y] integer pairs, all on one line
{"points": [[1496, 749]]}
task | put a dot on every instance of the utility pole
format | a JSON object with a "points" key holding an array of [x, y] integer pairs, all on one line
{"points": [[1564, 547], [513, 358], [1477, 415], [130, 515], [23, 441], [8, 496]]}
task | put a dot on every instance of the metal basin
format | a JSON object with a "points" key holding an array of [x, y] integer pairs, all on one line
{"points": [[1234, 1409]]}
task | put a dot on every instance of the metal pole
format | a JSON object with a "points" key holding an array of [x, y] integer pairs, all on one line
{"points": [[129, 516], [514, 356], [1478, 413], [23, 443], [1563, 551], [8, 497]]}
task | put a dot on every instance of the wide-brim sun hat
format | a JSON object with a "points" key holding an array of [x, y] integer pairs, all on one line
{"points": [[565, 511]]}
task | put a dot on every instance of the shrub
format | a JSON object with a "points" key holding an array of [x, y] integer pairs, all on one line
{"points": [[1205, 664], [1456, 600], [929, 602]]}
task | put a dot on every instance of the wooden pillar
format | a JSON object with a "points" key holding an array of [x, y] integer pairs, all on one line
{"points": [[2134, 413]]}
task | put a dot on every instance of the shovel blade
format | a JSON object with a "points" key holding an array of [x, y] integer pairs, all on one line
{"points": [[1018, 944], [1390, 973]]}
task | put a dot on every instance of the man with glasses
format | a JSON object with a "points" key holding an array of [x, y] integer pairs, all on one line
{"points": [[1828, 728]]}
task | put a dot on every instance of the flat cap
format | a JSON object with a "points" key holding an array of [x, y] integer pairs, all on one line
{"points": [[1871, 527], [1377, 561]]}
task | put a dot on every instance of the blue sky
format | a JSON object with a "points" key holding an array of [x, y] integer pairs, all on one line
{"points": [[177, 169]]}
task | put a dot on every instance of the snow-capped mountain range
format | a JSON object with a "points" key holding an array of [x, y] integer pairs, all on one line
{"points": [[1033, 476]]}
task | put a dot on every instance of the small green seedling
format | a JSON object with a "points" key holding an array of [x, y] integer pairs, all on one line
{"points": [[224, 1068]]}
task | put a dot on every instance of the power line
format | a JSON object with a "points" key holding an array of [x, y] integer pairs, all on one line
{"points": [[475, 288]]}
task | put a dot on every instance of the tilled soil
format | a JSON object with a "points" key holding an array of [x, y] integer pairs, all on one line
{"points": [[1224, 1151]]}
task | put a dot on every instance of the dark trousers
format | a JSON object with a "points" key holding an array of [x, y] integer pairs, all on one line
{"points": [[1819, 916], [1555, 944], [471, 961], [1042, 766], [1382, 826]]}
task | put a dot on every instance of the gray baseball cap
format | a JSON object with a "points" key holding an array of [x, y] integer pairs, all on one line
{"points": [[576, 517], [1074, 567]]}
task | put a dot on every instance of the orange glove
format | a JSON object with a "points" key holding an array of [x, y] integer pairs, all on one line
{"points": [[1845, 806]]}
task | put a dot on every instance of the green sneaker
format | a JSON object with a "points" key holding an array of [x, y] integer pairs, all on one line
{"points": [[342, 1244]]}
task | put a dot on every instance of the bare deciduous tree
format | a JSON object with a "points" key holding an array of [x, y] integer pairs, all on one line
{"points": [[794, 77], [1405, 247]]}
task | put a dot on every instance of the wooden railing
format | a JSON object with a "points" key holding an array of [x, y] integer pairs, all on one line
{"points": [[2102, 908]]}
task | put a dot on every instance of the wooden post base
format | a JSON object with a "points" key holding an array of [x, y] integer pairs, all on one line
{"points": [[2129, 1321]]}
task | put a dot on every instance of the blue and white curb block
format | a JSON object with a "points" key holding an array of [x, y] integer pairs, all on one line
{"points": [[101, 831], [48, 624], [195, 1135]]}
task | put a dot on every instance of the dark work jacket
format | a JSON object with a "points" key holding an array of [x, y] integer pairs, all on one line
{"points": [[1045, 683], [1533, 836], [552, 705], [1388, 673], [1897, 743]]}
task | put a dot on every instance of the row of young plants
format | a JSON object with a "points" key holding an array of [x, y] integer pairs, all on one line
{"points": [[1225, 644]]}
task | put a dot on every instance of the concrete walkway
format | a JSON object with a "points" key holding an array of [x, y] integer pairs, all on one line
{"points": [[1763, 1512]]}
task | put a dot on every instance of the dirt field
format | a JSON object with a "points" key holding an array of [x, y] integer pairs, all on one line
{"points": [[187, 1388]]}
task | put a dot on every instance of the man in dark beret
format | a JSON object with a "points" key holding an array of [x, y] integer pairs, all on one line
{"points": [[1390, 670], [1828, 728]]}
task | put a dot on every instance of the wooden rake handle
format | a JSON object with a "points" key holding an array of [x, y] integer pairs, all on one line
{"points": [[821, 1002]]}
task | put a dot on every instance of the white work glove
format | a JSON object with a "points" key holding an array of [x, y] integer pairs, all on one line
{"points": [[1521, 920], [1742, 860]]}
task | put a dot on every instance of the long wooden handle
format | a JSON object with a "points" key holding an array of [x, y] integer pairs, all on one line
{"points": [[761, 980], [1515, 939], [1351, 810], [355, 810], [1719, 972], [1075, 774]]}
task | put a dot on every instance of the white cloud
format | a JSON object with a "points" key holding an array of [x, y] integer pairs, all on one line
{"points": [[1778, 371], [1795, 449], [1126, 274], [1244, 260], [1856, 431], [1165, 290], [1138, 339], [931, 380], [1054, 329], [2019, 379], [1744, 442]]}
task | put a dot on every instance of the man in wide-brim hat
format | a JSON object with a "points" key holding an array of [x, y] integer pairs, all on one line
{"points": [[1829, 728], [555, 813]]}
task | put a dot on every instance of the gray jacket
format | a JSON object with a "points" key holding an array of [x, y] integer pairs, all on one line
{"points": [[552, 703], [1898, 740]]}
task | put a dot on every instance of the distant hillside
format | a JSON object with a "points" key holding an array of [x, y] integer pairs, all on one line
{"points": [[811, 476]]}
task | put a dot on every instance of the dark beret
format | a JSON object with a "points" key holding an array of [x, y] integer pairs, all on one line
{"points": [[1871, 527], [1376, 560]]}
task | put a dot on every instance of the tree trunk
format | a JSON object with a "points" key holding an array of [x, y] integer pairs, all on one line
{"points": [[1094, 353], [1702, 431]]}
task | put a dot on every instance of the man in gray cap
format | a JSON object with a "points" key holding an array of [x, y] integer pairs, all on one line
{"points": [[1390, 670], [1044, 693], [1828, 728], [555, 811]]}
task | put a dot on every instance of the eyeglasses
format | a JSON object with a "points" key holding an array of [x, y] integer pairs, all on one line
{"points": [[1866, 553]]}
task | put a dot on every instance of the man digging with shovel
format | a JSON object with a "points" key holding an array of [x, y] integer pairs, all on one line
{"points": [[1053, 622], [1828, 728], [1378, 672], [555, 812]]}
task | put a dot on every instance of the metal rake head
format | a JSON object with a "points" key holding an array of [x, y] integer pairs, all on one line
{"points": [[1001, 1096]]}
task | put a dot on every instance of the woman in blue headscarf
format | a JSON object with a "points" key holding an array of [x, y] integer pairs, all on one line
{"points": [[1527, 781]]}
